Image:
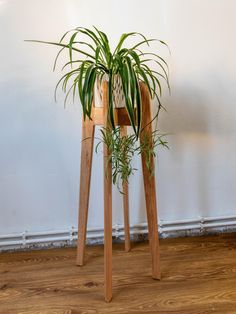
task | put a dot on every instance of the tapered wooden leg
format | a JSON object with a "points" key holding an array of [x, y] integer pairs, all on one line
{"points": [[150, 186], [107, 228], [123, 130], [107, 207], [85, 175]]}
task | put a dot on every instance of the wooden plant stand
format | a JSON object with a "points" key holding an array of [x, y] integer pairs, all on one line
{"points": [[99, 117]]}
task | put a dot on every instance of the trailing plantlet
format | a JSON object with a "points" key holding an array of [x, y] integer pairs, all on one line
{"points": [[121, 151], [91, 61], [123, 148]]}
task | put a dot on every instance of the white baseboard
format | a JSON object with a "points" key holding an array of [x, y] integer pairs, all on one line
{"points": [[67, 237]]}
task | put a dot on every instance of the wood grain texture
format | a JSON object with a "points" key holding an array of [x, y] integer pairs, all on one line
{"points": [[120, 115], [150, 184], [88, 128], [107, 204], [198, 277], [123, 130]]}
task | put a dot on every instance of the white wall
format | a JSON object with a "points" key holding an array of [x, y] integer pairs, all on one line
{"points": [[40, 141]]}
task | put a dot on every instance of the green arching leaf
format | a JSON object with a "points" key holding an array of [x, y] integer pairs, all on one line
{"points": [[67, 94], [155, 55], [57, 56], [110, 97], [124, 37], [135, 56], [147, 41], [132, 82], [151, 78], [88, 33], [63, 37], [129, 107], [161, 75], [86, 44], [70, 45], [74, 89], [121, 41], [80, 87], [90, 90], [71, 63], [66, 79], [164, 71], [86, 91], [159, 85], [145, 79], [165, 44], [138, 105], [97, 51], [104, 46], [122, 52], [103, 38], [61, 79], [61, 45]]}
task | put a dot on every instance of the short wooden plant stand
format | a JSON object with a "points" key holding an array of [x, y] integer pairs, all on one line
{"points": [[99, 117]]}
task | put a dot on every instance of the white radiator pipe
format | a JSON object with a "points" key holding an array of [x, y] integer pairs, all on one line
{"points": [[167, 228]]}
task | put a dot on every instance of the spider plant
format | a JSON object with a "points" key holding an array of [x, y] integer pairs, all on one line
{"points": [[91, 58]]}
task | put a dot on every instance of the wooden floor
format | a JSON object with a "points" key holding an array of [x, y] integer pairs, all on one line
{"points": [[198, 276]]}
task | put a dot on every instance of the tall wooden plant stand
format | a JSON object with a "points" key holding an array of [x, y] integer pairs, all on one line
{"points": [[99, 117]]}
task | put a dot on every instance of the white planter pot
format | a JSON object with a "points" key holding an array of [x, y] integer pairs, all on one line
{"points": [[118, 95]]}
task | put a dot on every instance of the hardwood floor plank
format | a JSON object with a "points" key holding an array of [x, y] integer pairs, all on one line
{"points": [[198, 276]]}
